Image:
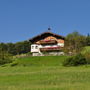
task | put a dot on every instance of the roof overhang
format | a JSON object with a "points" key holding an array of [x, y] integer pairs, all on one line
{"points": [[45, 34]]}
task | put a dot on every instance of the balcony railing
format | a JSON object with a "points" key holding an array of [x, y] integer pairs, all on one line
{"points": [[51, 49], [48, 42]]}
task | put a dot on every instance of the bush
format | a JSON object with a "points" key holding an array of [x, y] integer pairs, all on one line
{"points": [[14, 64], [87, 56], [76, 60], [5, 58], [4, 61]]}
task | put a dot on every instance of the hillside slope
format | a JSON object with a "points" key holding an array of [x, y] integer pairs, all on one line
{"points": [[40, 61], [44, 73]]}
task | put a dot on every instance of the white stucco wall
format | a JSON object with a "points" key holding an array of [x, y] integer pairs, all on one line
{"points": [[36, 48], [61, 44]]}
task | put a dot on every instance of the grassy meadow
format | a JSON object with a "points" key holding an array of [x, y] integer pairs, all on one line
{"points": [[44, 73]]}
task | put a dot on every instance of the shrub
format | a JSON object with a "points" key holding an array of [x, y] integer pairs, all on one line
{"points": [[5, 58], [4, 61], [87, 56], [67, 61], [14, 64], [76, 60]]}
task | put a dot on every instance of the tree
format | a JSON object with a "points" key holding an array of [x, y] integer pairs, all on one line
{"points": [[88, 40], [22, 47], [16, 48], [74, 42], [3, 47], [5, 57], [11, 48]]}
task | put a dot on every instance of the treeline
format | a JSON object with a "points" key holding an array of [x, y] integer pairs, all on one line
{"points": [[75, 42], [15, 48]]}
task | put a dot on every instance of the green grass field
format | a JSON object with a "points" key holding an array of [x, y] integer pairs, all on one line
{"points": [[44, 73]]}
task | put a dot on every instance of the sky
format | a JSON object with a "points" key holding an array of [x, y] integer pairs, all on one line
{"points": [[23, 19]]}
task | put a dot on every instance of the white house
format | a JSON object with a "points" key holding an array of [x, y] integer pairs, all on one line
{"points": [[47, 42]]}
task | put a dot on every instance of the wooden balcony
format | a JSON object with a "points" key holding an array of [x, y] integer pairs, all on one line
{"points": [[50, 49], [48, 42]]}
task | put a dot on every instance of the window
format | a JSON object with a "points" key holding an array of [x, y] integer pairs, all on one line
{"points": [[32, 47], [36, 47]]}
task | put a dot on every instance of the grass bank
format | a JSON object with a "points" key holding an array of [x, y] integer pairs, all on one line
{"points": [[44, 73], [41, 61]]}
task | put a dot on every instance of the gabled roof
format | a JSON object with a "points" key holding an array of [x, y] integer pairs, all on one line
{"points": [[45, 34]]}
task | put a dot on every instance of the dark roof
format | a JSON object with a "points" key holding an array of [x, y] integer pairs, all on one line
{"points": [[45, 34]]}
